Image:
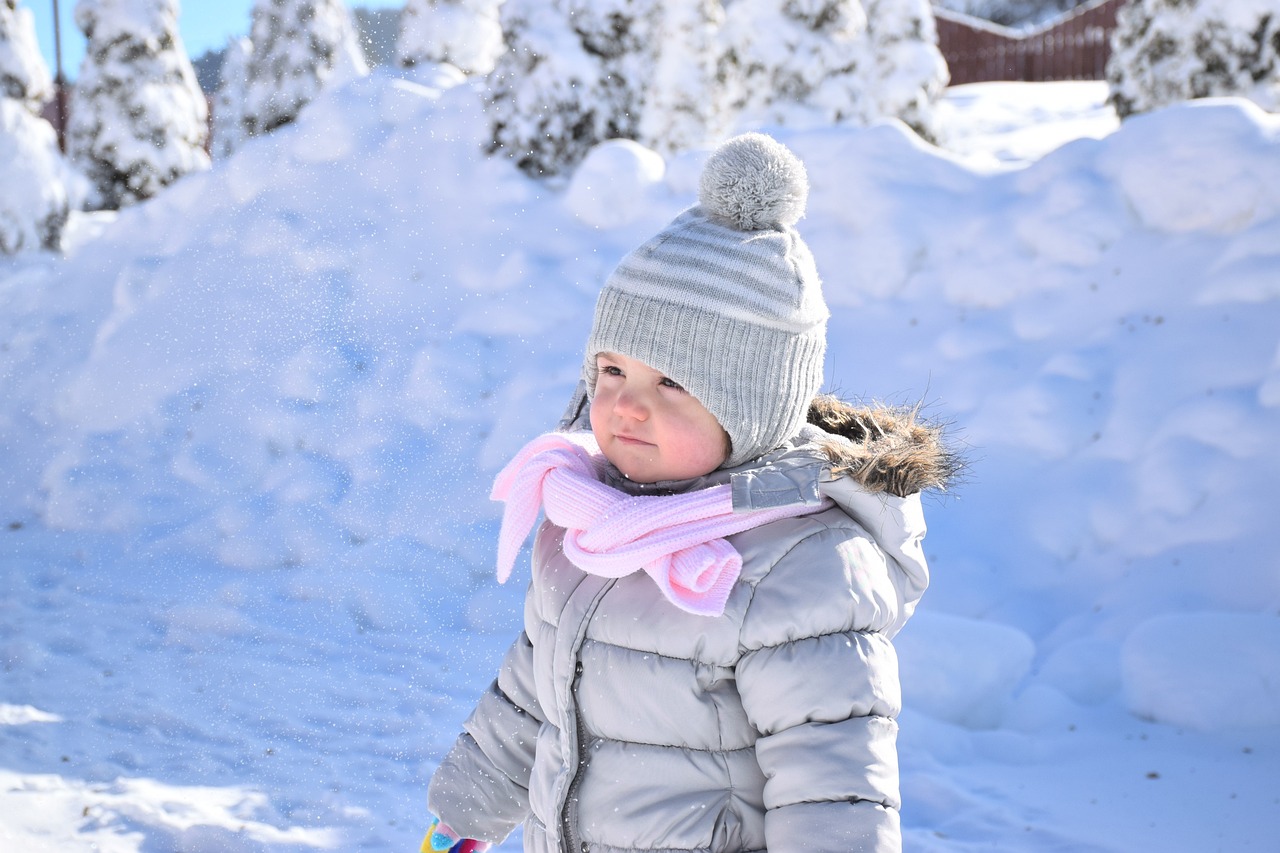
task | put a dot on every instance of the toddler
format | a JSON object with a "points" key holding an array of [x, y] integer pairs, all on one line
{"points": [[706, 661]]}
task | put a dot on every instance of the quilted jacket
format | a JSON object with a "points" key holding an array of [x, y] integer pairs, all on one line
{"points": [[620, 723]]}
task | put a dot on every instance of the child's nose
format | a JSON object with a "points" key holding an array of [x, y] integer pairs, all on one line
{"points": [[631, 404]]}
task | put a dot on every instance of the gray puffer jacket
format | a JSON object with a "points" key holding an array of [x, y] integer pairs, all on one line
{"points": [[621, 723]]}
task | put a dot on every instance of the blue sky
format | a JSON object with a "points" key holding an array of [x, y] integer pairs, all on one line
{"points": [[205, 25]]}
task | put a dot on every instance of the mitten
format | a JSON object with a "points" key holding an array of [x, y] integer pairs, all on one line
{"points": [[441, 838]]}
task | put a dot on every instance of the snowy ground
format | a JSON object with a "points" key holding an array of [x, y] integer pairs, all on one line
{"points": [[249, 427]]}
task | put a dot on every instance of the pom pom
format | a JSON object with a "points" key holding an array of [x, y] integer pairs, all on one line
{"points": [[754, 182]]}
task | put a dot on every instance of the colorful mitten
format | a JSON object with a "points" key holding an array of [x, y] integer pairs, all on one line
{"points": [[441, 838]]}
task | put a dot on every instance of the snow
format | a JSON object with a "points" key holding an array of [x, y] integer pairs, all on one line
{"points": [[464, 33], [613, 182], [1173, 669], [961, 670], [38, 186], [250, 427]]}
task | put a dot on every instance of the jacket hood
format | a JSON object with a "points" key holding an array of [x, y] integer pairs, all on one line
{"points": [[883, 449]]}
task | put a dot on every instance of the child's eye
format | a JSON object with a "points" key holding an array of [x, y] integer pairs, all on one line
{"points": [[609, 370], [671, 383]]}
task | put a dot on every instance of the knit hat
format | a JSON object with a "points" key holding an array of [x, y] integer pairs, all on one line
{"points": [[726, 299]]}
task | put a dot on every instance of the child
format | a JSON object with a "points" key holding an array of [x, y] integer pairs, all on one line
{"points": [[706, 661]]}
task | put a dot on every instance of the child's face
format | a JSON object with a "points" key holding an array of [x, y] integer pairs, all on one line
{"points": [[649, 427]]}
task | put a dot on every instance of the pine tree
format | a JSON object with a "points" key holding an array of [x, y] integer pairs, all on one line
{"points": [[1166, 51], [685, 105], [228, 103], [138, 118], [796, 62], [573, 74], [300, 47], [464, 33], [34, 203], [622, 35], [906, 73], [23, 74]]}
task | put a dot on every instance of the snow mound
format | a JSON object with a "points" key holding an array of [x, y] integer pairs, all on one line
{"points": [[960, 670], [1184, 190], [609, 188], [49, 812], [1205, 670], [21, 715]]}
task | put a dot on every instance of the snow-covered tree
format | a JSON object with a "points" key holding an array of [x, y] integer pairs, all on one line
{"points": [[300, 47], [228, 103], [573, 74], [906, 74], [622, 35], [464, 33], [1165, 51], [138, 118], [816, 62], [23, 74], [34, 202], [685, 104], [796, 62]]}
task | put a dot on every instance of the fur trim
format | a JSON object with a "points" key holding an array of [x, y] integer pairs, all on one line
{"points": [[883, 449]]}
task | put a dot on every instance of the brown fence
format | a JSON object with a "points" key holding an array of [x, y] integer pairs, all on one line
{"points": [[1074, 47]]}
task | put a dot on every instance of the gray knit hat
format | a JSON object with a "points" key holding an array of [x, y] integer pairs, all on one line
{"points": [[726, 299]]}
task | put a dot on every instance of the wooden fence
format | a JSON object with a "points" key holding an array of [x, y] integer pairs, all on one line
{"points": [[1073, 47]]}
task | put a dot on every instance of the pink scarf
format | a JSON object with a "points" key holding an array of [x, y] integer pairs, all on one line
{"points": [[677, 539]]}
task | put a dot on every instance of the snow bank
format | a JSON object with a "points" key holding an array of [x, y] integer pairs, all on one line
{"points": [[1205, 670], [1191, 186], [611, 185], [962, 670], [50, 814]]}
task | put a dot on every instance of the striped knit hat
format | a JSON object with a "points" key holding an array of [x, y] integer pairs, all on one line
{"points": [[726, 299]]}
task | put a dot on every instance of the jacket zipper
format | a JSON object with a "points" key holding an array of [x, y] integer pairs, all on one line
{"points": [[571, 843], [569, 817]]}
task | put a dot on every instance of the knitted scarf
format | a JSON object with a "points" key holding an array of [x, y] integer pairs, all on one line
{"points": [[678, 540]]}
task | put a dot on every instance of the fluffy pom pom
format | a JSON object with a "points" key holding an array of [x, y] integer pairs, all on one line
{"points": [[754, 182]]}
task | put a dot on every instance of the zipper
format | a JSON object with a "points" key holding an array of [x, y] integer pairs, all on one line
{"points": [[570, 842], [569, 818]]}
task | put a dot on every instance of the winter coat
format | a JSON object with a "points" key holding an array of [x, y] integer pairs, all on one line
{"points": [[620, 723]]}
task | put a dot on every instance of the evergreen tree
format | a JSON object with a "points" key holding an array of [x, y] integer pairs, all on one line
{"points": [[138, 118], [300, 47], [464, 33], [573, 74], [906, 73], [23, 74], [685, 105], [1166, 51], [34, 203], [622, 36], [228, 103], [796, 62]]}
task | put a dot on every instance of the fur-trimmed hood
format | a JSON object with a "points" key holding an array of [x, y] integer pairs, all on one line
{"points": [[883, 449]]}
